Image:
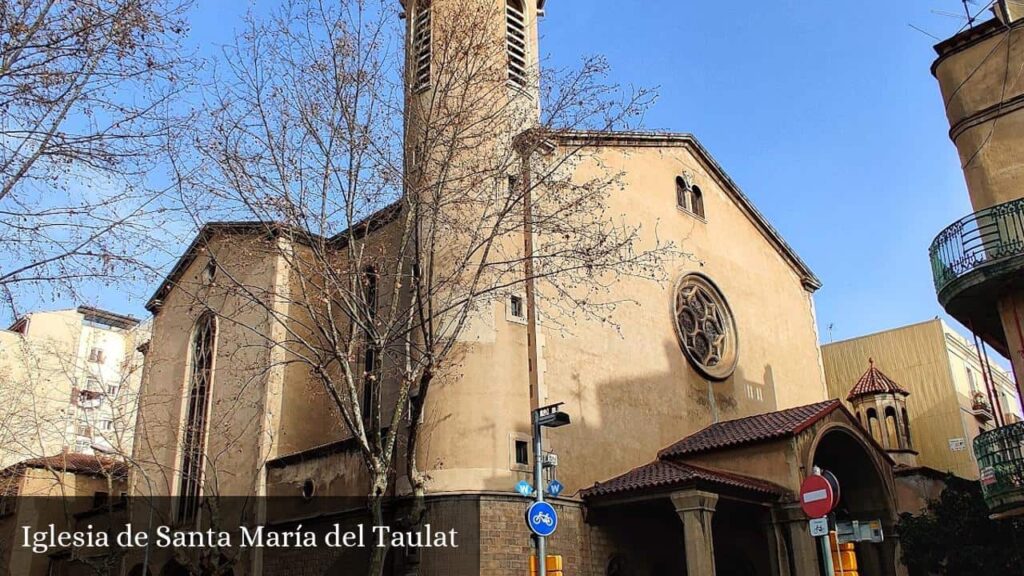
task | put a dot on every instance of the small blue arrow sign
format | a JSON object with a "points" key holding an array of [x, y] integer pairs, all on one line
{"points": [[524, 488], [555, 488], [542, 518]]}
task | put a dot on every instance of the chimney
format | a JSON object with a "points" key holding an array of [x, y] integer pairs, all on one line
{"points": [[1009, 11]]}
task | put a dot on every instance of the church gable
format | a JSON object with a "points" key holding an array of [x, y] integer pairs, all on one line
{"points": [[696, 177]]}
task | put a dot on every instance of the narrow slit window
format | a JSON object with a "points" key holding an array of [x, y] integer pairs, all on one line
{"points": [[421, 46], [906, 427], [371, 355], [515, 41], [522, 453]]}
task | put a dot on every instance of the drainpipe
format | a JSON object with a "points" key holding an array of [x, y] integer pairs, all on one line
{"points": [[1000, 418], [984, 375], [1020, 352]]}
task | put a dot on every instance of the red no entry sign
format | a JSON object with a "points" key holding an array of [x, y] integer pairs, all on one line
{"points": [[817, 496]]}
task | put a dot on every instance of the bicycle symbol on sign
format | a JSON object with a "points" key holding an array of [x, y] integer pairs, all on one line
{"points": [[543, 518]]}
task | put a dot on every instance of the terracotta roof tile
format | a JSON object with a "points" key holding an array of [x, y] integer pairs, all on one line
{"points": [[75, 464], [874, 382], [751, 430], [666, 474]]}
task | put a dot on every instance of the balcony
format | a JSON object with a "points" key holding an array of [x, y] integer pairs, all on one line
{"points": [[1000, 455], [980, 408], [974, 261]]}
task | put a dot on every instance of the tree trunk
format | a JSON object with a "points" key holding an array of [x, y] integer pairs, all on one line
{"points": [[378, 555]]}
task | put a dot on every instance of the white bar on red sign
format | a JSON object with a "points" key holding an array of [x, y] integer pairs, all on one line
{"points": [[815, 495]]}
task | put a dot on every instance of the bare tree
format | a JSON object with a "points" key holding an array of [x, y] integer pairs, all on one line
{"points": [[87, 102], [400, 214]]}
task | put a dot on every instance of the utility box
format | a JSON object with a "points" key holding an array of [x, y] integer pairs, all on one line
{"points": [[860, 531]]}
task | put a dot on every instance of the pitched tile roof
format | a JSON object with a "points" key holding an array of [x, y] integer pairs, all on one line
{"points": [[752, 429], [664, 474], [874, 382], [75, 464]]}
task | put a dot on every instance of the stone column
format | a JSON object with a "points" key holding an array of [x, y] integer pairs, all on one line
{"points": [[802, 555], [695, 509]]}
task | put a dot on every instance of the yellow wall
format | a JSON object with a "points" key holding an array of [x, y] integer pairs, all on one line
{"points": [[930, 361]]}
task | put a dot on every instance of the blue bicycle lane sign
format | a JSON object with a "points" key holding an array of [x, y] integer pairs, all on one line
{"points": [[542, 518]]}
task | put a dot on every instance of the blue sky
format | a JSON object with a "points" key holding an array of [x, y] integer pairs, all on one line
{"points": [[825, 113]]}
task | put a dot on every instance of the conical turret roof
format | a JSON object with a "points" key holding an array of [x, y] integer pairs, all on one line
{"points": [[875, 382]]}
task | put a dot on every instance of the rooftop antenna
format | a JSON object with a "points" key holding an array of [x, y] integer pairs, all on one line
{"points": [[967, 10], [949, 14]]}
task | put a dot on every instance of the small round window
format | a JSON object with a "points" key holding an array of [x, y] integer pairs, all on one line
{"points": [[705, 325]]}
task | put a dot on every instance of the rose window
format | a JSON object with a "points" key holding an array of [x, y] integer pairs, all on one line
{"points": [[707, 331]]}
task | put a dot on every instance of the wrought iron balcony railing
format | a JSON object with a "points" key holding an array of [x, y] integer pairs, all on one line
{"points": [[1000, 455], [976, 241]]}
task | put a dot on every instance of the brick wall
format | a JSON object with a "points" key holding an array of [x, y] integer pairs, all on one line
{"points": [[506, 546]]}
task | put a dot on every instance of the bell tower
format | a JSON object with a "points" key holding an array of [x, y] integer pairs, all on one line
{"points": [[471, 60], [881, 408]]}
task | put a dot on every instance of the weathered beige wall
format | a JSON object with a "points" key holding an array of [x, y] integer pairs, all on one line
{"points": [[988, 136], [1011, 310], [237, 436], [775, 461], [632, 388]]}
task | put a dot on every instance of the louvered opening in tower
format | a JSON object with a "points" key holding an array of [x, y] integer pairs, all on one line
{"points": [[515, 40], [421, 46]]}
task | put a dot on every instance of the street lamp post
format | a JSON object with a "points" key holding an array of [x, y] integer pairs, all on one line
{"points": [[544, 417]]}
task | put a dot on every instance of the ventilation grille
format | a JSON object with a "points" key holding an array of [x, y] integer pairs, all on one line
{"points": [[421, 48], [515, 39]]}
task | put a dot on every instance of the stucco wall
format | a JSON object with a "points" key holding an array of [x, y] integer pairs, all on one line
{"points": [[629, 388], [241, 371], [974, 81]]}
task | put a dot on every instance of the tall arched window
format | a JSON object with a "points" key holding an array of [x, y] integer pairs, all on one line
{"points": [[371, 355], [204, 339], [515, 41], [421, 45], [873, 425], [682, 193], [892, 429], [697, 201]]}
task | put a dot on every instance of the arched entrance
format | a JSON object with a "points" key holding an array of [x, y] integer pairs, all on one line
{"points": [[866, 492]]}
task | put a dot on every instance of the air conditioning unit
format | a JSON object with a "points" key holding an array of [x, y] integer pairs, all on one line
{"points": [[550, 459]]}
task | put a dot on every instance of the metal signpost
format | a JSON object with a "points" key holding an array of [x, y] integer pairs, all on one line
{"points": [[819, 494], [541, 517]]}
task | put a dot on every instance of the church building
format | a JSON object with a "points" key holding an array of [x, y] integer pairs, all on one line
{"points": [[694, 419]]}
